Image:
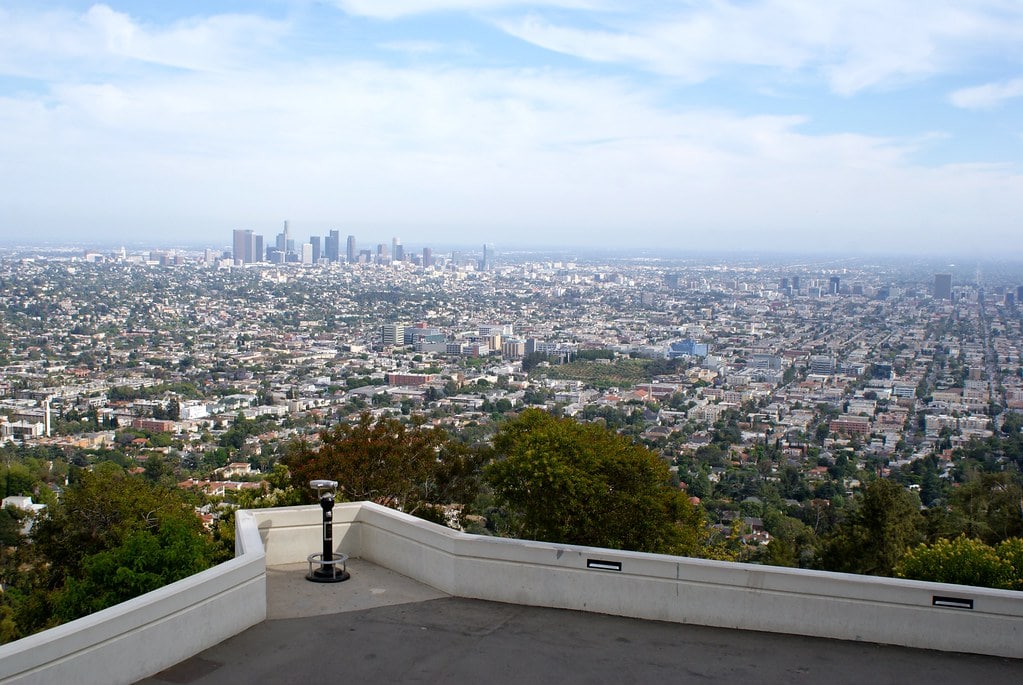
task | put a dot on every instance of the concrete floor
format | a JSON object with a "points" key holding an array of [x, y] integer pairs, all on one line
{"points": [[382, 627]]}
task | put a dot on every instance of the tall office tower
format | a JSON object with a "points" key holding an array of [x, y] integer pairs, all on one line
{"points": [[243, 243], [795, 283], [1019, 294], [485, 262], [835, 284], [382, 256], [351, 253], [332, 248], [427, 258], [392, 334], [306, 255], [396, 248], [285, 243], [943, 286], [784, 285], [257, 248], [314, 240]]}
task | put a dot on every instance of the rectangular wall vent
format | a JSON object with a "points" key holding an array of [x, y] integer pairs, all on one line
{"points": [[604, 565], [952, 602]]}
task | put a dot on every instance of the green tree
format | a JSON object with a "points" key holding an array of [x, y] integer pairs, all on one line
{"points": [[563, 481], [18, 480], [989, 506], [877, 533], [144, 561], [113, 536], [100, 511], [792, 541], [407, 468], [963, 561]]}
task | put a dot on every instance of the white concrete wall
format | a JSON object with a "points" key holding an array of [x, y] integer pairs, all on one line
{"points": [[291, 534], [145, 635], [659, 587]]}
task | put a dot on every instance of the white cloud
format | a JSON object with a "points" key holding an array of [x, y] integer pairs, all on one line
{"points": [[58, 44], [852, 44], [987, 96], [243, 133], [393, 9], [525, 155]]}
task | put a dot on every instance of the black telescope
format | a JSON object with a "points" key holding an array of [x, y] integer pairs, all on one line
{"points": [[332, 566]]}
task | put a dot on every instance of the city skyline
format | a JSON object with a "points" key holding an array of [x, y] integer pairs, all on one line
{"points": [[848, 128]]}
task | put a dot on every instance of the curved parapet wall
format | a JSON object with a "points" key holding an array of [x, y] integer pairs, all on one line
{"points": [[145, 635], [659, 587], [149, 633]]}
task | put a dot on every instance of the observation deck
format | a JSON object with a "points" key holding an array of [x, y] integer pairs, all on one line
{"points": [[431, 604]]}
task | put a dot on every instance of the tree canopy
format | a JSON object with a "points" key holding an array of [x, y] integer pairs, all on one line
{"points": [[564, 481], [112, 537], [877, 533], [966, 562], [411, 468]]}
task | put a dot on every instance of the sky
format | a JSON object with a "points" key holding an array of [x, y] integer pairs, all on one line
{"points": [[848, 126]]}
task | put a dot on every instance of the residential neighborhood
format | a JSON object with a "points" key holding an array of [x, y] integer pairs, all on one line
{"points": [[802, 375]]}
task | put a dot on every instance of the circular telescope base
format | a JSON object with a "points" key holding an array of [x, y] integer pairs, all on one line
{"points": [[329, 571], [327, 576]]}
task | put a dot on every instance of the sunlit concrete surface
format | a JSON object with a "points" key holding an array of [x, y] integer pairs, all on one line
{"points": [[290, 595], [382, 627]]}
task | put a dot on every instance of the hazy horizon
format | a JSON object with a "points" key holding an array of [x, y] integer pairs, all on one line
{"points": [[849, 128]]}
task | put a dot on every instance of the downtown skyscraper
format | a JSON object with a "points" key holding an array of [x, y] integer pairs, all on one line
{"points": [[247, 246], [332, 246]]}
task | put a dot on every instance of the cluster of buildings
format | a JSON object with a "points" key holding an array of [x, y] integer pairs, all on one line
{"points": [[249, 247], [881, 361]]}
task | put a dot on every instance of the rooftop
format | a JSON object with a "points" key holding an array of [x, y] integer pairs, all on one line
{"points": [[382, 626]]}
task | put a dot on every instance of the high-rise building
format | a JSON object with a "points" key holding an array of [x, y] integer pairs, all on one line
{"points": [[332, 246], [392, 334], [427, 258], [795, 284], [283, 240], [382, 256], [485, 263], [351, 253], [243, 246], [314, 240], [396, 249], [943, 286], [306, 256], [1019, 294], [257, 248], [835, 285]]}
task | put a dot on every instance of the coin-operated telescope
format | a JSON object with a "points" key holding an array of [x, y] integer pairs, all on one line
{"points": [[332, 564]]}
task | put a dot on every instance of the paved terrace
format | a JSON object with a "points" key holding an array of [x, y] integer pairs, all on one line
{"points": [[380, 626]]}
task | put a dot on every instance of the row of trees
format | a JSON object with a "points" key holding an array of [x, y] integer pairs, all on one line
{"points": [[543, 478], [114, 536], [555, 479]]}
